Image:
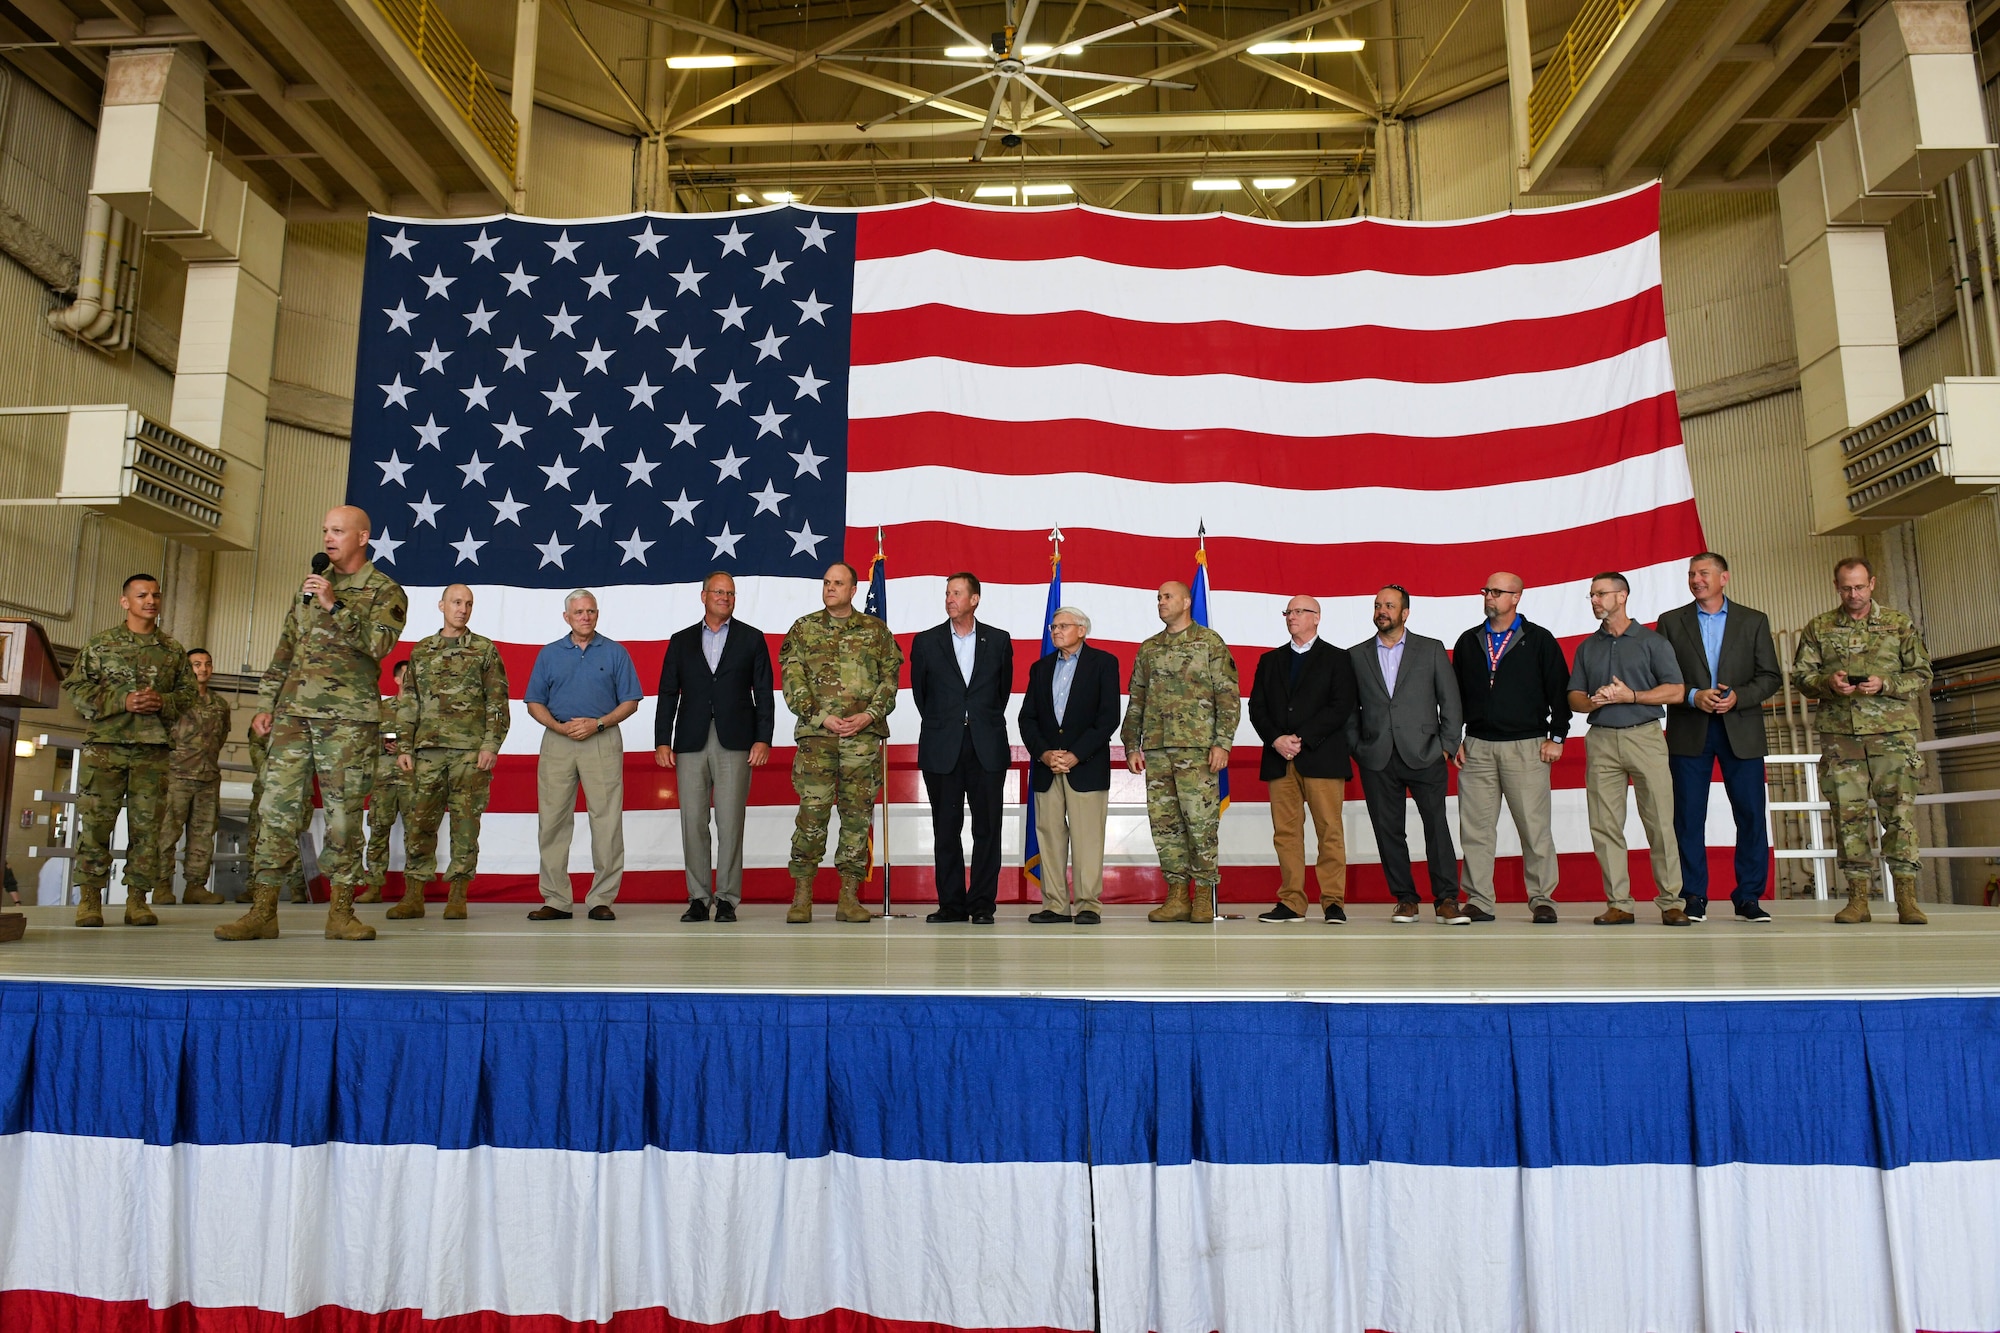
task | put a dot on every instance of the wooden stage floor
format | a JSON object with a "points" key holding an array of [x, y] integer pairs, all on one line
{"points": [[648, 949]]}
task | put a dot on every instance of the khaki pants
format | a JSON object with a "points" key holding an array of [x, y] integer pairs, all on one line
{"points": [[1070, 824], [597, 764], [1291, 796], [1513, 770], [718, 777], [1637, 754]]}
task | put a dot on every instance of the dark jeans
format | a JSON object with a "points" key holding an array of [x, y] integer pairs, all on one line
{"points": [[950, 792], [1386, 789], [1743, 779]]}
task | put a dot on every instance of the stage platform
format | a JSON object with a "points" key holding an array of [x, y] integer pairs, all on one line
{"points": [[1802, 954]]}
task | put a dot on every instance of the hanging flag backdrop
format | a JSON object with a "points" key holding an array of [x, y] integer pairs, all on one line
{"points": [[626, 404]]}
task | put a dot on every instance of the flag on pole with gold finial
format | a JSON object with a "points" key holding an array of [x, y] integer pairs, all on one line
{"points": [[1031, 845], [1201, 618]]}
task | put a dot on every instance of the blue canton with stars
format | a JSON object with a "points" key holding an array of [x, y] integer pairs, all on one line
{"points": [[548, 404]]}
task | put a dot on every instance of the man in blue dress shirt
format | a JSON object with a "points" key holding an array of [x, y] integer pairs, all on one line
{"points": [[582, 687]]}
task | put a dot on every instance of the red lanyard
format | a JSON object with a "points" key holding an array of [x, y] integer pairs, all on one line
{"points": [[1494, 654]]}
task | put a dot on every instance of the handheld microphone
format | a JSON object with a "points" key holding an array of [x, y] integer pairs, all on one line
{"points": [[321, 562]]}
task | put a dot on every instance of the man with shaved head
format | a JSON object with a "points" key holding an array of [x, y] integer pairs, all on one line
{"points": [[1513, 685], [1300, 702], [450, 718], [319, 704], [1180, 718]]}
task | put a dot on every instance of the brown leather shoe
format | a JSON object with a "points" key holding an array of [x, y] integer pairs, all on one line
{"points": [[1450, 914], [1613, 916], [1674, 916], [1544, 915], [547, 913], [602, 913]]}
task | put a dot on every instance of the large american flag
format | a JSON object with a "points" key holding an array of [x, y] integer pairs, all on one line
{"points": [[625, 404]]}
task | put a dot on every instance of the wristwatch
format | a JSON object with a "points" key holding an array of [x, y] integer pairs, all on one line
{"points": [[600, 726]]}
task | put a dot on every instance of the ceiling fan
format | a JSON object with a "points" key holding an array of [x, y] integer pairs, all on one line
{"points": [[1008, 58]]}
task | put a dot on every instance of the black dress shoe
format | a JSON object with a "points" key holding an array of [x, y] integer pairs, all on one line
{"points": [[1280, 915], [697, 911], [1088, 919], [602, 913], [549, 914], [1475, 913], [725, 911], [982, 919], [1048, 918], [942, 917], [1753, 913], [1336, 915]]}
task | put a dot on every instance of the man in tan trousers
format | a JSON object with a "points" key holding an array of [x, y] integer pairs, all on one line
{"points": [[582, 687]]}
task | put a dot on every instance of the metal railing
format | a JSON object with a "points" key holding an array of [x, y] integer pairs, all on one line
{"points": [[440, 50], [1590, 35]]}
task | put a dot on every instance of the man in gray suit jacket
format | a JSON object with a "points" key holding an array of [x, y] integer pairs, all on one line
{"points": [[1730, 667], [1409, 724]]}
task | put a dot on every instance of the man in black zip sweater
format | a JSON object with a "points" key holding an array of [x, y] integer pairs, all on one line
{"points": [[1514, 685]]}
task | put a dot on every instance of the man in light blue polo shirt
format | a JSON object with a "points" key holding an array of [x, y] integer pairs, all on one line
{"points": [[582, 687]]}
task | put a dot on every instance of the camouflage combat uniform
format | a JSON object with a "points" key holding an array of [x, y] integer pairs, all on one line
{"points": [[453, 705], [388, 801], [1868, 742], [326, 722], [838, 666], [194, 794], [1184, 701], [253, 826], [126, 757]]}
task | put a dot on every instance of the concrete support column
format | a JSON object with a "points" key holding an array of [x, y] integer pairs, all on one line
{"points": [[527, 31]]}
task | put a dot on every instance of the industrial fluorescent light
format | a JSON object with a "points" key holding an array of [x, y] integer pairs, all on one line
{"points": [[1033, 49], [1274, 182], [1313, 48], [743, 198], [1223, 184], [965, 52], [701, 62], [779, 196], [24, 749], [1043, 191], [994, 192]]}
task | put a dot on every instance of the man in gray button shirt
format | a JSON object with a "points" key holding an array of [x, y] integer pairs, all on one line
{"points": [[1623, 678]]}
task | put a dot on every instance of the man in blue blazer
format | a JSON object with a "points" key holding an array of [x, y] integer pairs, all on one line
{"points": [[961, 673], [1068, 717]]}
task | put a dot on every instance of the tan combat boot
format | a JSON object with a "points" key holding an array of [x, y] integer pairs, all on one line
{"points": [[1202, 908], [850, 908], [90, 908], [454, 903], [802, 903], [163, 896], [1175, 908], [412, 905], [1907, 911], [340, 922], [200, 896], [260, 922], [373, 894], [136, 911], [1856, 911]]}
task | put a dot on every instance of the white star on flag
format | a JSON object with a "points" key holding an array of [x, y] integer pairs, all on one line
{"points": [[507, 510], [645, 317], [400, 244], [812, 310], [649, 242], [805, 541], [476, 395], [516, 357], [768, 345], [434, 359], [426, 511], [519, 280], [730, 390], [401, 317], [562, 324], [725, 542], [559, 399], [729, 465], [683, 430], [641, 471], [564, 248], [815, 238], [773, 270], [732, 241], [483, 247], [474, 470], [590, 511], [396, 392], [767, 499], [593, 434], [430, 435], [808, 462], [688, 280], [683, 509], [634, 548], [809, 385], [600, 283], [685, 354], [732, 315], [770, 421], [393, 470], [598, 358], [511, 432], [552, 552], [557, 474], [383, 548], [642, 392], [437, 284], [479, 320], [467, 548]]}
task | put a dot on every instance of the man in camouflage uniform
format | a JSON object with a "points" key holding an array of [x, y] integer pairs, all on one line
{"points": [[319, 705], [840, 670], [1178, 728], [253, 826], [451, 716], [131, 683], [389, 798], [194, 787], [1868, 667]]}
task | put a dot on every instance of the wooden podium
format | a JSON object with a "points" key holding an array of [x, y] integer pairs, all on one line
{"points": [[28, 679]]}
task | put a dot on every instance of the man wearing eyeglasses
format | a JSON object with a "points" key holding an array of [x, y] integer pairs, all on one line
{"points": [[1514, 684], [1067, 718], [1300, 702], [1407, 727]]}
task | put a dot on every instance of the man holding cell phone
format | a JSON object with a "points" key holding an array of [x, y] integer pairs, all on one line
{"points": [[1730, 665]]}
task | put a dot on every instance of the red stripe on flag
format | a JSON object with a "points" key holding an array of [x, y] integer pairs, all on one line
{"points": [[1531, 236], [1299, 356]]}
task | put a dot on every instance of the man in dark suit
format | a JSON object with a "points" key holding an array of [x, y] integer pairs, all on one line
{"points": [[1407, 726], [1067, 719], [712, 726], [960, 675], [1730, 667], [1301, 701]]}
